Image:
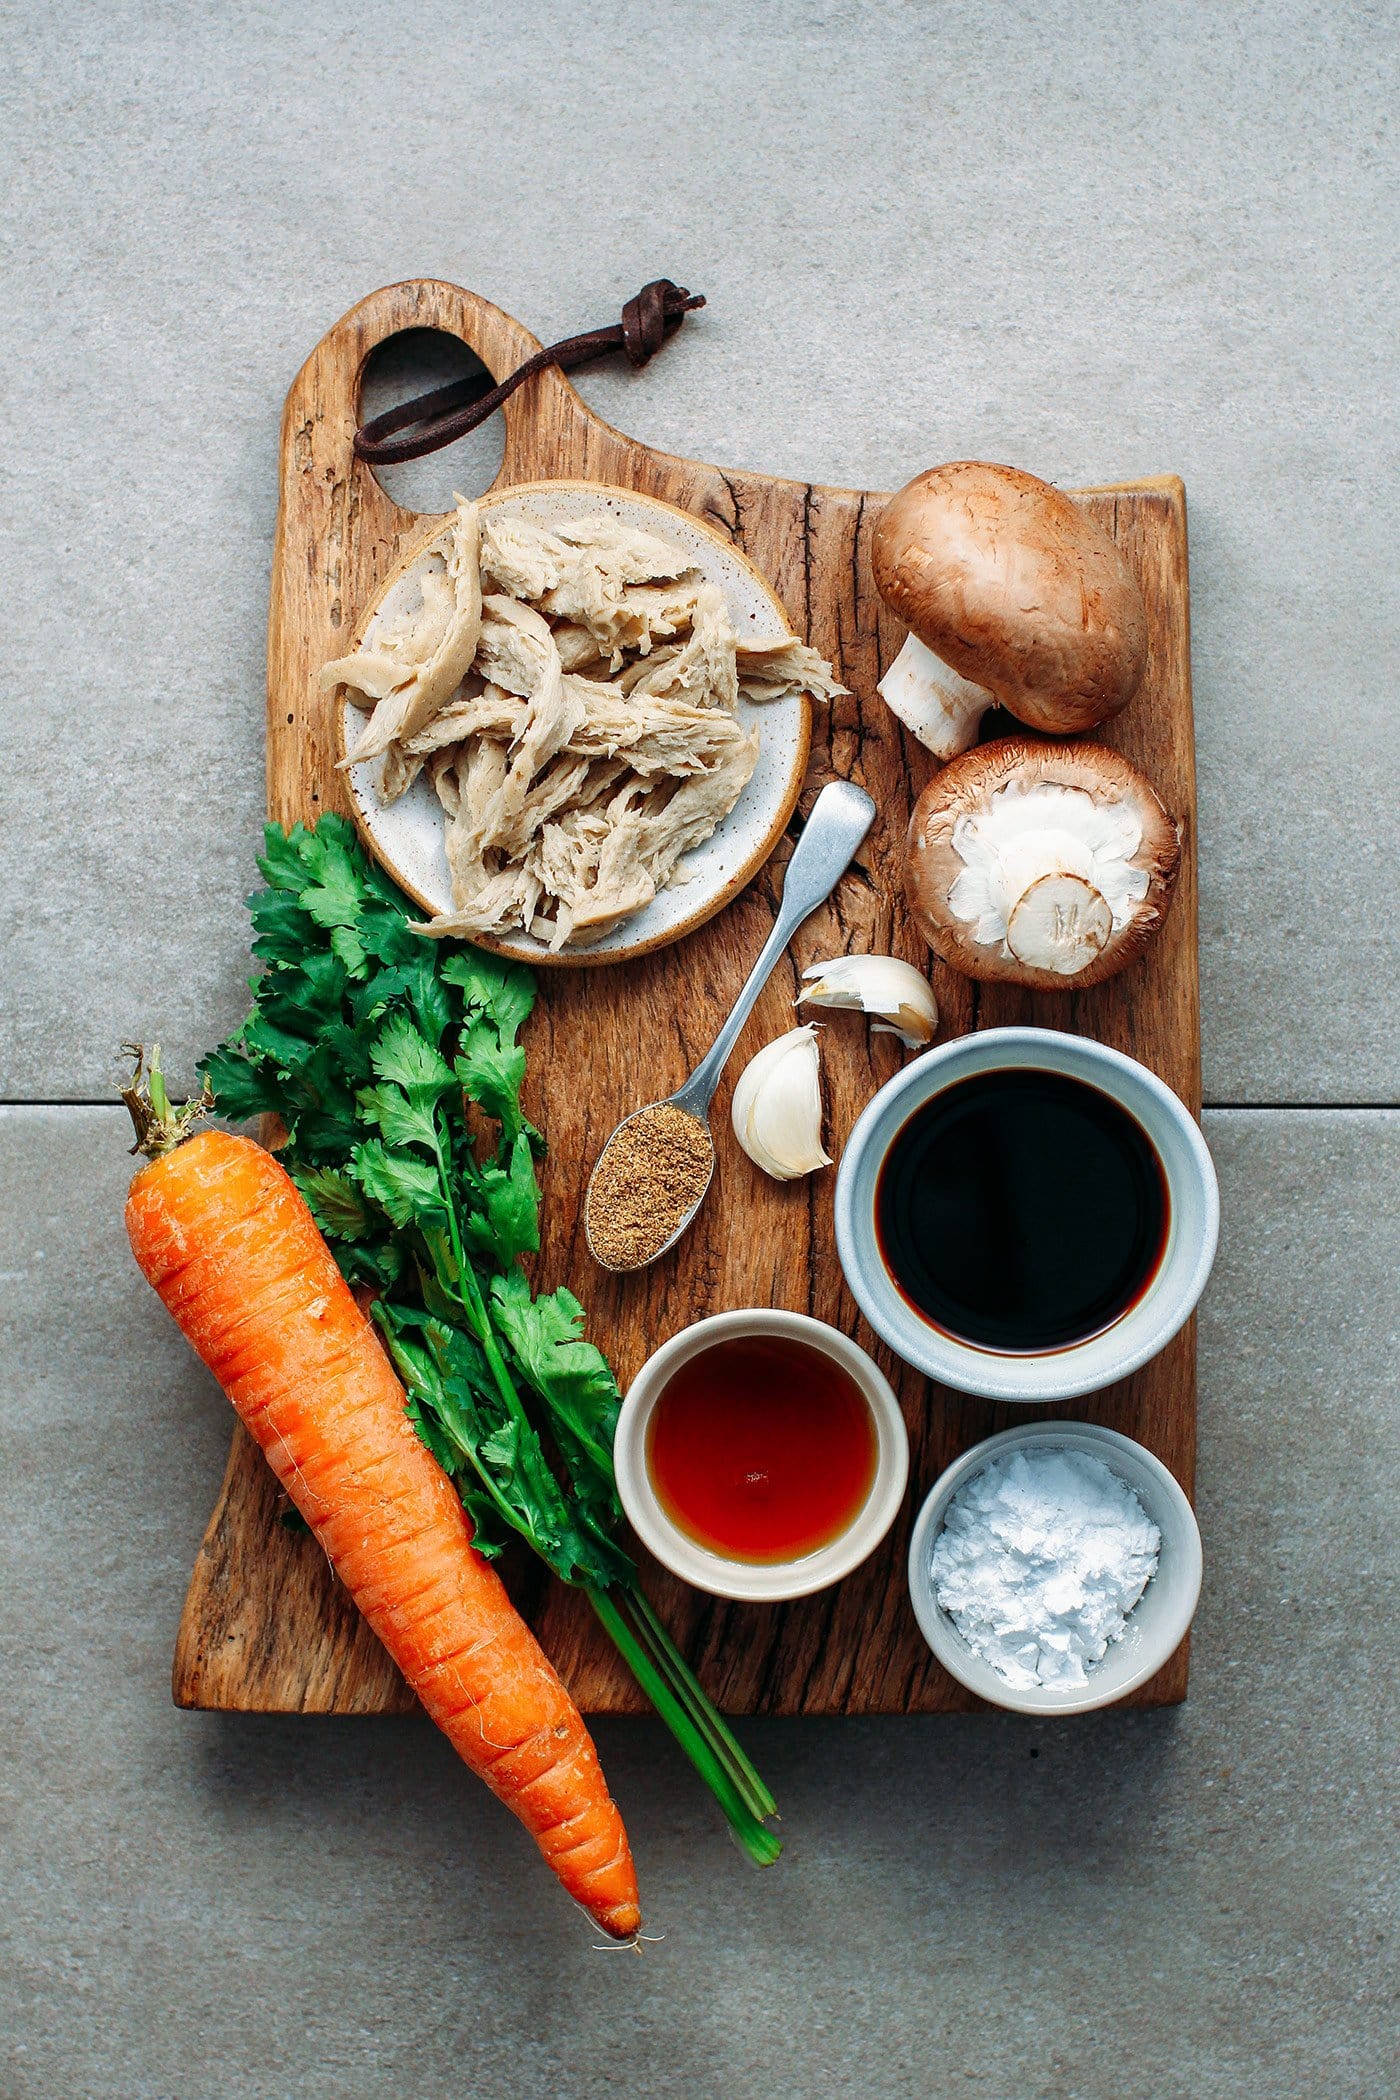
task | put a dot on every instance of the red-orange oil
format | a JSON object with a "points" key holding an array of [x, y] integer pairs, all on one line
{"points": [[762, 1449]]}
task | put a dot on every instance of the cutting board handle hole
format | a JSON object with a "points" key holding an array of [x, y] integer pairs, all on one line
{"points": [[413, 362]]}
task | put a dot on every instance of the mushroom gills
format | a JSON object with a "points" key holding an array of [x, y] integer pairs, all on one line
{"points": [[1060, 923], [935, 703], [1048, 873]]}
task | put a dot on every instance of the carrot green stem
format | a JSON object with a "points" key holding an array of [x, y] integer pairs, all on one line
{"points": [[159, 1126]]}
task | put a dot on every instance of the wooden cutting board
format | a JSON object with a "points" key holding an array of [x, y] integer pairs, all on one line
{"points": [[265, 1626]]}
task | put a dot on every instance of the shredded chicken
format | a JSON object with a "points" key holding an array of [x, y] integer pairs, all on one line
{"points": [[707, 664], [782, 667], [571, 694], [416, 663]]}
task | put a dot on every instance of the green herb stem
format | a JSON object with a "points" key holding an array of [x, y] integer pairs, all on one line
{"points": [[761, 1845], [705, 1713], [418, 1380]]}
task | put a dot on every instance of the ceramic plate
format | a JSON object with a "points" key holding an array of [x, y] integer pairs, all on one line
{"points": [[407, 836]]}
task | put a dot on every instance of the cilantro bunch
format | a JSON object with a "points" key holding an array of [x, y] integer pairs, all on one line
{"points": [[394, 1065]]}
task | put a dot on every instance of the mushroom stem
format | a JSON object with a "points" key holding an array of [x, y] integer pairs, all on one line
{"points": [[1059, 922], [935, 703]]}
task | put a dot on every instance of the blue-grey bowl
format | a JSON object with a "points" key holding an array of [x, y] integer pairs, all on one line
{"points": [[1083, 1367]]}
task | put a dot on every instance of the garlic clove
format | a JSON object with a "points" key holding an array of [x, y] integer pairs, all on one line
{"points": [[933, 701], [777, 1106], [746, 1089], [876, 984], [1061, 923], [746, 1086], [785, 1122]]}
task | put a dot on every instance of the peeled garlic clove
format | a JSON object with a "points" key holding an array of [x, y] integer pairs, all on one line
{"points": [[746, 1089], [876, 984], [1060, 923], [785, 1119], [777, 1106]]}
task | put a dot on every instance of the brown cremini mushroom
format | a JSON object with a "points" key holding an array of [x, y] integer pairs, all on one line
{"points": [[1049, 865], [1015, 596]]}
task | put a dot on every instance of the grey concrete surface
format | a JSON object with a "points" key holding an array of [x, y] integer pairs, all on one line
{"points": [[1192, 1905], [1097, 240]]}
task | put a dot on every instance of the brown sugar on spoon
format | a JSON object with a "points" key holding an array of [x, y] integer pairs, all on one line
{"points": [[648, 1180]]}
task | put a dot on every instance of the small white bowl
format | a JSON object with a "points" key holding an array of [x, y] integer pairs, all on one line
{"points": [[760, 1582], [1156, 1626], [1083, 1367]]}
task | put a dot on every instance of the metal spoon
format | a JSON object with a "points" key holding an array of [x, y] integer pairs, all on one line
{"points": [[841, 816]]}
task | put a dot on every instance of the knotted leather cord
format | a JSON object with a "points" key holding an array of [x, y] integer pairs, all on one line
{"points": [[449, 412]]}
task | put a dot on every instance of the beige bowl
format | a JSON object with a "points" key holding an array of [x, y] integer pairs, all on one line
{"points": [[763, 1582]]}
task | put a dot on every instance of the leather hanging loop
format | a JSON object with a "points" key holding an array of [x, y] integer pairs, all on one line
{"points": [[647, 320], [449, 412]]}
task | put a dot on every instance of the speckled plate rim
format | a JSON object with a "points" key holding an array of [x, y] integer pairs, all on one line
{"points": [[525, 948]]}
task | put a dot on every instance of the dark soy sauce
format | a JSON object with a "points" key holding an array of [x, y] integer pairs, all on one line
{"points": [[1021, 1211]]}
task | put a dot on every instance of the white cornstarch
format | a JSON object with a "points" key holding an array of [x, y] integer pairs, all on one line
{"points": [[1042, 1556]]}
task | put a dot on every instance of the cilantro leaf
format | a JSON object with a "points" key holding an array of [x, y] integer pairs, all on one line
{"points": [[284, 1048], [425, 1421], [502, 1447], [379, 1265], [571, 1377], [490, 1063], [280, 927], [488, 1534], [335, 895], [334, 1202], [349, 950], [419, 982], [503, 991], [491, 1075], [241, 1088], [388, 936], [343, 1059], [405, 1187], [399, 1120], [406, 1058], [508, 1223], [413, 1079], [281, 863], [508, 1458]]}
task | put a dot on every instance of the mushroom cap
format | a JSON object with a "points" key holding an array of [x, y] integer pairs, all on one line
{"points": [[966, 788], [1016, 587]]}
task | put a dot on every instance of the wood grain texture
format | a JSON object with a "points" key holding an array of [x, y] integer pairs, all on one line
{"points": [[265, 1626]]}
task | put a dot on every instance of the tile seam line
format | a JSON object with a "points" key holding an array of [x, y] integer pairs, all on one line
{"points": [[1214, 1108]]}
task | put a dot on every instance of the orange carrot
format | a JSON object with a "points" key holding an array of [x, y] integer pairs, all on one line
{"points": [[224, 1237]]}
